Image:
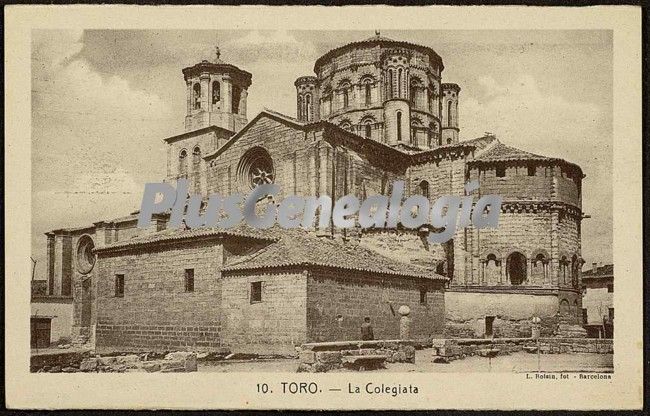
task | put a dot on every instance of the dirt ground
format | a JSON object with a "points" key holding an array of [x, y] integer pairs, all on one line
{"points": [[517, 362]]}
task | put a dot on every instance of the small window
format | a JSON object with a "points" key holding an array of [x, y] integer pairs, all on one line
{"points": [[423, 296], [216, 92], [256, 292], [531, 170], [611, 314], [236, 97], [368, 95], [119, 285], [584, 316], [399, 126], [368, 131], [197, 96], [610, 288], [501, 172], [189, 280]]}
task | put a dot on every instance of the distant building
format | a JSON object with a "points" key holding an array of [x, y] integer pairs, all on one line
{"points": [[598, 301], [51, 316]]}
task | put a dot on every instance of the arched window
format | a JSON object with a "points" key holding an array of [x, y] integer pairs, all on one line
{"points": [[399, 126], [236, 96], [516, 268], [368, 130], [538, 270], [564, 307], [216, 92], [423, 188], [346, 98], [564, 265], [399, 83], [196, 169], [307, 111], [182, 163], [416, 126], [449, 123], [346, 125], [391, 86], [413, 95], [197, 96], [300, 113], [368, 94], [492, 272], [575, 269]]}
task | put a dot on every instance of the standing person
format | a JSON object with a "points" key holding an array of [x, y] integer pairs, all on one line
{"points": [[366, 330]]}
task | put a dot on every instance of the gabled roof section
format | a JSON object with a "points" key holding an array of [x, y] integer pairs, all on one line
{"points": [[290, 121], [180, 235], [503, 152], [299, 247], [500, 152], [481, 142], [334, 135], [204, 130], [600, 272]]}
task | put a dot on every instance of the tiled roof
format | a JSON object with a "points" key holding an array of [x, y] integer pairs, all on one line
{"points": [[502, 152], [481, 142], [284, 116], [168, 235], [602, 271], [298, 247], [382, 40]]}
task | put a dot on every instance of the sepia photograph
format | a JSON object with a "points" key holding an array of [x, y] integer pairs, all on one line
{"points": [[313, 202]]}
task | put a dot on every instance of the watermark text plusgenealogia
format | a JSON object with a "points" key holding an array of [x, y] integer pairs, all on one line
{"points": [[446, 214]]}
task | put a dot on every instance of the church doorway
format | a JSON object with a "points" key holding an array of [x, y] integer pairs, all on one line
{"points": [[516, 268]]}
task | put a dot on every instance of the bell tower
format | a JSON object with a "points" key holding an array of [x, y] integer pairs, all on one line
{"points": [[450, 128], [216, 95]]}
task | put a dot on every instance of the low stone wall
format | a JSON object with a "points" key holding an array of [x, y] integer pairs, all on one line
{"points": [[575, 345], [445, 350], [326, 356], [72, 362], [64, 361]]}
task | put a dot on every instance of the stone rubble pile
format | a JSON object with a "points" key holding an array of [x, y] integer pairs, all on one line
{"points": [[174, 362], [326, 356]]}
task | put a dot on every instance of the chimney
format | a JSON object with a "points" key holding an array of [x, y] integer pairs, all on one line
{"points": [[594, 266]]}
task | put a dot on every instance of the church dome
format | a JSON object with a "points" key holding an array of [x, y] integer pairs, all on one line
{"points": [[384, 43]]}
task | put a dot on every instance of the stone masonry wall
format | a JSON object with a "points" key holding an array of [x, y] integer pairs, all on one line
{"points": [[466, 313], [291, 150], [156, 312], [274, 324], [337, 304]]}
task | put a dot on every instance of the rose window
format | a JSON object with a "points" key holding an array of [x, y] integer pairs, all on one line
{"points": [[85, 255], [256, 168]]}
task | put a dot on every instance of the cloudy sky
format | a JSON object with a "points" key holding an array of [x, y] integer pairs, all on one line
{"points": [[103, 100]]}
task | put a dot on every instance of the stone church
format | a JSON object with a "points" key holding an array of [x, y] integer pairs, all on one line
{"points": [[375, 111]]}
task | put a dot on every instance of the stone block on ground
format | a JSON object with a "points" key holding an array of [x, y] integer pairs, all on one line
{"points": [[307, 357], [89, 364], [328, 357]]}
